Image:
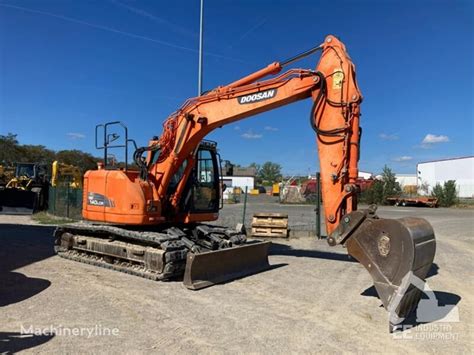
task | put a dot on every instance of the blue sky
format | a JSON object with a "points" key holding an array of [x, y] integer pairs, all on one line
{"points": [[66, 66]]}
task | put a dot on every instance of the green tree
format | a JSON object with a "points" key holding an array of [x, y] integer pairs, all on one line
{"points": [[381, 189], [36, 154], [374, 194], [450, 193], [270, 172], [438, 193], [257, 168], [446, 194], [84, 161], [390, 185], [10, 151]]}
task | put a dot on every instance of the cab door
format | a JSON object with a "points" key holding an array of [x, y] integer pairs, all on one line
{"points": [[206, 190]]}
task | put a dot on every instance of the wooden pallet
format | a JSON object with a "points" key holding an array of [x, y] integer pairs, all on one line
{"points": [[270, 225]]}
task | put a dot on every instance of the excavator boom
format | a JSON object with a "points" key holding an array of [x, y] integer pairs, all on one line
{"points": [[173, 188]]}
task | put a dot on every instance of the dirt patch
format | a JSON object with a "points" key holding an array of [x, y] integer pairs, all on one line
{"points": [[315, 299]]}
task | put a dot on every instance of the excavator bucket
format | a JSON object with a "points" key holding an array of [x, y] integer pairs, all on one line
{"points": [[214, 267], [391, 250], [16, 201]]}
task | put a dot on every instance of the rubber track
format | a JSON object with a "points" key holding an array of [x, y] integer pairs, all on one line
{"points": [[128, 269], [168, 243], [151, 238]]}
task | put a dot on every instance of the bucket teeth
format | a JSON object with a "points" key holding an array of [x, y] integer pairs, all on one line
{"points": [[393, 252]]}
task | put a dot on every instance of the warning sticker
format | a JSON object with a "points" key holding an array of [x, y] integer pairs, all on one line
{"points": [[337, 79]]}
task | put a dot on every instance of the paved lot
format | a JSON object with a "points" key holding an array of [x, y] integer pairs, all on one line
{"points": [[314, 300]]}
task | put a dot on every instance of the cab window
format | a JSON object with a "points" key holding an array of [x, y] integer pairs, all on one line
{"points": [[177, 178], [205, 196]]}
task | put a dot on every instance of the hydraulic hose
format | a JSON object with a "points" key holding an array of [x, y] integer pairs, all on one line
{"points": [[312, 119]]}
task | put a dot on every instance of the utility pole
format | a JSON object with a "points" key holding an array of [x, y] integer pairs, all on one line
{"points": [[201, 33]]}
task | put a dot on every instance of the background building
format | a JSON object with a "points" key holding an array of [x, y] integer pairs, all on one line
{"points": [[239, 181], [438, 171], [238, 177], [406, 179], [365, 175]]}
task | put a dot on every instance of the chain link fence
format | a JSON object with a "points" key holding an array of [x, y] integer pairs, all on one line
{"points": [[65, 201]]}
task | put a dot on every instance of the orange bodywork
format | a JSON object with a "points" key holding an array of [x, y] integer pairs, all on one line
{"points": [[109, 195], [118, 196]]}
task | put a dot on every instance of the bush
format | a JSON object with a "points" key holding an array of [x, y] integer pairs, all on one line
{"points": [[374, 194], [446, 194], [438, 193], [382, 189]]}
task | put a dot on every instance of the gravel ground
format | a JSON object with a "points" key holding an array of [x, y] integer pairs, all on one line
{"points": [[314, 299]]}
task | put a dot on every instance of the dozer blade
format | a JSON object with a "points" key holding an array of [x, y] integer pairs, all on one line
{"points": [[214, 267], [16, 201], [391, 250]]}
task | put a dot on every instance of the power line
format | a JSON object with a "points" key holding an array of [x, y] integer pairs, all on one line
{"points": [[113, 30]]}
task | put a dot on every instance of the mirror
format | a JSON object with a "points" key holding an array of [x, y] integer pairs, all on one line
{"points": [[112, 137]]}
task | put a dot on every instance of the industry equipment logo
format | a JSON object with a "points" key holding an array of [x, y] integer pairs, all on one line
{"points": [[428, 310], [256, 97]]}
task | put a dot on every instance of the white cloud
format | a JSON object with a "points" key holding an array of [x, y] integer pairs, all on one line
{"points": [[250, 135], [237, 128], [270, 128], [388, 137], [73, 135], [403, 158], [432, 139]]}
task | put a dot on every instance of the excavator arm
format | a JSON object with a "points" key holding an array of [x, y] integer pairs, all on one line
{"points": [[392, 251], [334, 117]]}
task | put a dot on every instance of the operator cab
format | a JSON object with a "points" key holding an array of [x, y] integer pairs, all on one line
{"points": [[25, 169], [206, 187], [36, 172], [202, 193]]}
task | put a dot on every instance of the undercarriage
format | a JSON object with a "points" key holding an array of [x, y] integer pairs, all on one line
{"points": [[164, 254]]}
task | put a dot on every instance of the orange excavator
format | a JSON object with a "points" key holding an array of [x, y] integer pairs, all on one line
{"points": [[151, 221]]}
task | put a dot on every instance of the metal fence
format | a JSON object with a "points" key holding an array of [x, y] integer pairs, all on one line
{"points": [[65, 201]]}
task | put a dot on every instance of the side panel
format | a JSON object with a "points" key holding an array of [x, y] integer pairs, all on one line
{"points": [[117, 197], [94, 183]]}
